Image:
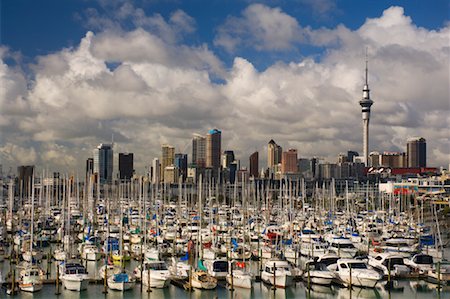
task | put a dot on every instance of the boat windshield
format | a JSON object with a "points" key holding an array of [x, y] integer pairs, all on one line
{"points": [[394, 261], [156, 266], [424, 260], [220, 266], [344, 246], [357, 265], [329, 261], [389, 244]]}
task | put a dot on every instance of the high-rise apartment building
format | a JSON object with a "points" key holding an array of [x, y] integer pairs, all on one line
{"points": [[181, 162], [213, 150], [416, 151], [103, 163], [387, 159], [167, 157], [126, 166], [199, 151], [254, 165], [289, 161]]}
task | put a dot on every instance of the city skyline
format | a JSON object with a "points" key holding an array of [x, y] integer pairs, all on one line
{"points": [[296, 80]]}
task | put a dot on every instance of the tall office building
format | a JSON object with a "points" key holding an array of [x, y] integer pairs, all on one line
{"points": [[156, 171], [213, 150], [103, 163], [366, 103], [274, 154], [181, 162], [351, 155], [416, 152], [254, 165], [289, 161], [227, 158], [199, 151], [24, 177], [89, 167], [167, 157], [126, 168]]}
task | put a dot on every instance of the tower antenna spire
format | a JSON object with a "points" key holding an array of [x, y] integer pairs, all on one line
{"points": [[367, 66]]}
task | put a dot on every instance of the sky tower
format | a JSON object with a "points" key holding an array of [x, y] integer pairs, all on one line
{"points": [[366, 103]]}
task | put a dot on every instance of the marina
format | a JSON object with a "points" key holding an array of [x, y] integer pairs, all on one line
{"points": [[247, 240]]}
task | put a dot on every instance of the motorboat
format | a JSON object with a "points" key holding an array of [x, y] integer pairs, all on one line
{"points": [[90, 252], [355, 272], [217, 268], [390, 264], [154, 274], [318, 273], [420, 263], [30, 279], [74, 277], [440, 274], [400, 246], [277, 273], [343, 247]]}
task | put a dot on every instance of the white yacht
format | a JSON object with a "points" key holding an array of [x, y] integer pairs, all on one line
{"points": [[31, 279], [74, 277], [318, 273], [154, 273], [313, 249], [343, 247], [389, 263], [278, 273], [217, 268], [357, 273], [420, 263], [442, 276], [400, 246], [90, 252]]}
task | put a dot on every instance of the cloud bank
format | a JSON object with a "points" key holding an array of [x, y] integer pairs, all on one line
{"points": [[147, 86]]}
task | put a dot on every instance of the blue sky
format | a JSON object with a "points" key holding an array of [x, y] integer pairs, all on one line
{"points": [[45, 26], [74, 73]]}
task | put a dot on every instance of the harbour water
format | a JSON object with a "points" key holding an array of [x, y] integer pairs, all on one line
{"points": [[401, 289]]}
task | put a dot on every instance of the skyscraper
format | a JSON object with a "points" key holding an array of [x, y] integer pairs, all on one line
{"points": [[213, 150], [274, 154], [366, 103], [227, 158], [24, 177], [416, 151], [181, 162], [156, 171], [199, 151], [126, 169], [254, 165], [167, 157], [289, 161], [103, 163], [89, 167]]}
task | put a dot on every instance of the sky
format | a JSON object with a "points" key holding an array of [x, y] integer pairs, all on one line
{"points": [[74, 73]]}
